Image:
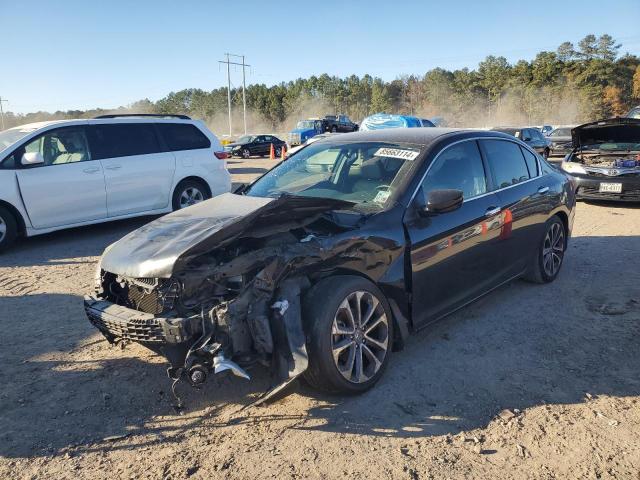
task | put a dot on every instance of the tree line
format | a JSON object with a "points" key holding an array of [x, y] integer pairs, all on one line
{"points": [[572, 84]]}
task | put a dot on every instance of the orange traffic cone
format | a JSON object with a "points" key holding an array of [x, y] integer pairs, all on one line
{"points": [[272, 153], [283, 152]]}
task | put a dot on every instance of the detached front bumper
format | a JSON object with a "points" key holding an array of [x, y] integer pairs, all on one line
{"points": [[119, 323], [588, 187]]}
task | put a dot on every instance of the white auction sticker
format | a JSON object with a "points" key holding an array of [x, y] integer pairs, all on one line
{"points": [[397, 153]]}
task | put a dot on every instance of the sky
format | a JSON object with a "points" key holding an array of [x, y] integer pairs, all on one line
{"points": [[72, 54]]}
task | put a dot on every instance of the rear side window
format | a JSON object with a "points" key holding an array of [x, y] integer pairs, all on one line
{"points": [[122, 140], [532, 163], [506, 162], [458, 167], [183, 136]]}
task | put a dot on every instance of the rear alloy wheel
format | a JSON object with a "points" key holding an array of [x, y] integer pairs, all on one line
{"points": [[548, 260], [278, 152], [189, 193], [8, 229], [349, 334], [246, 153]]}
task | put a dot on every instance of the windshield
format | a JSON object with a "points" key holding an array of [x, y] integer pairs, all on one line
{"points": [[561, 132], [306, 124], [365, 173], [246, 139], [11, 136]]}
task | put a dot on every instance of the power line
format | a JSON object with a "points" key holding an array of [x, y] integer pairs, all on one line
{"points": [[2, 113], [244, 95]]}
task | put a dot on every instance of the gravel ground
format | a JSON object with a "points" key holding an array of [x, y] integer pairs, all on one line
{"points": [[529, 382]]}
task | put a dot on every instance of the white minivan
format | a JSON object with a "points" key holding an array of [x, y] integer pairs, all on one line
{"points": [[68, 173]]}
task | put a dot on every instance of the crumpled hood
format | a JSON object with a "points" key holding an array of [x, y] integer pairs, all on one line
{"points": [[158, 248], [613, 130], [152, 250]]}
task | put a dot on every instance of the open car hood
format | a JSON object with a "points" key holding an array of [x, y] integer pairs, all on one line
{"points": [[613, 130], [162, 246]]}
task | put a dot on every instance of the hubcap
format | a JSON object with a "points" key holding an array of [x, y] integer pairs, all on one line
{"points": [[3, 229], [246, 153], [553, 249], [359, 337], [190, 196]]}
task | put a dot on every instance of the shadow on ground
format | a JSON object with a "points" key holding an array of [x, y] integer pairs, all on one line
{"points": [[522, 346]]}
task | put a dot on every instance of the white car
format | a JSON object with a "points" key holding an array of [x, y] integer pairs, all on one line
{"points": [[68, 173]]}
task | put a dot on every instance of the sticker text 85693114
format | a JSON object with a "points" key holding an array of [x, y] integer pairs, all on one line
{"points": [[397, 153]]}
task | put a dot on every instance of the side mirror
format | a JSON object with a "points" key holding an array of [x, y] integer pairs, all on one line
{"points": [[442, 201], [32, 158]]}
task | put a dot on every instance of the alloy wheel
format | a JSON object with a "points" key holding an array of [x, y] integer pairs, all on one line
{"points": [[359, 337], [553, 249], [190, 196], [246, 153]]}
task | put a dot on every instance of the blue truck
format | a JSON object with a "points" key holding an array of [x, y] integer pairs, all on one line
{"points": [[305, 129]]}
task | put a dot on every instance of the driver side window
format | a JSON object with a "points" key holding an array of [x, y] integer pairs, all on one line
{"points": [[460, 168], [64, 145]]}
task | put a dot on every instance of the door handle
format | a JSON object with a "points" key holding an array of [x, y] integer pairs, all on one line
{"points": [[491, 211], [542, 190], [113, 167], [91, 170]]}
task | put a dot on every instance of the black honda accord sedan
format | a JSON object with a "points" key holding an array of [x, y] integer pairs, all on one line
{"points": [[327, 262]]}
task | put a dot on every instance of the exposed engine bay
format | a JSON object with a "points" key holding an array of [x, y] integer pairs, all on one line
{"points": [[610, 160], [232, 298]]}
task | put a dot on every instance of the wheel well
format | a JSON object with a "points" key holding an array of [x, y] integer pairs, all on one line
{"points": [[22, 227], [565, 222], [195, 179]]}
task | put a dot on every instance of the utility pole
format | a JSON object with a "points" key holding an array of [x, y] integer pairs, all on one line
{"points": [[244, 95], [2, 113]]}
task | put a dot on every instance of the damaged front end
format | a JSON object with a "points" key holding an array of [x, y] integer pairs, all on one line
{"points": [[215, 292]]}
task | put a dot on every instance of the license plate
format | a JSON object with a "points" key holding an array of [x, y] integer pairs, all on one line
{"points": [[610, 188]]}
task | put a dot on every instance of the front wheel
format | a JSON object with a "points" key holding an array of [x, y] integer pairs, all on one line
{"points": [[246, 153], [350, 331], [550, 253]]}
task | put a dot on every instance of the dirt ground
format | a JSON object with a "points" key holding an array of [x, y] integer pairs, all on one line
{"points": [[530, 382]]}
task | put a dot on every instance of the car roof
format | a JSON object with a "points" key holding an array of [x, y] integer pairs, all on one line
{"points": [[419, 136], [76, 121]]}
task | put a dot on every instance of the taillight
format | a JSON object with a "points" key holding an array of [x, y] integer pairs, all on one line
{"points": [[222, 156]]}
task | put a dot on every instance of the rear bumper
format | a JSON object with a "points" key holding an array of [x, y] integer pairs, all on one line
{"points": [[588, 188], [116, 323]]}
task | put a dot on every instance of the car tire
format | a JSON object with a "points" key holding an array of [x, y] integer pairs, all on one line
{"points": [[189, 192], [278, 152], [549, 255], [245, 153], [8, 229], [343, 356]]}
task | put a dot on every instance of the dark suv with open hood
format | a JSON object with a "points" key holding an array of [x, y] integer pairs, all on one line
{"points": [[324, 264], [605, 161]]}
